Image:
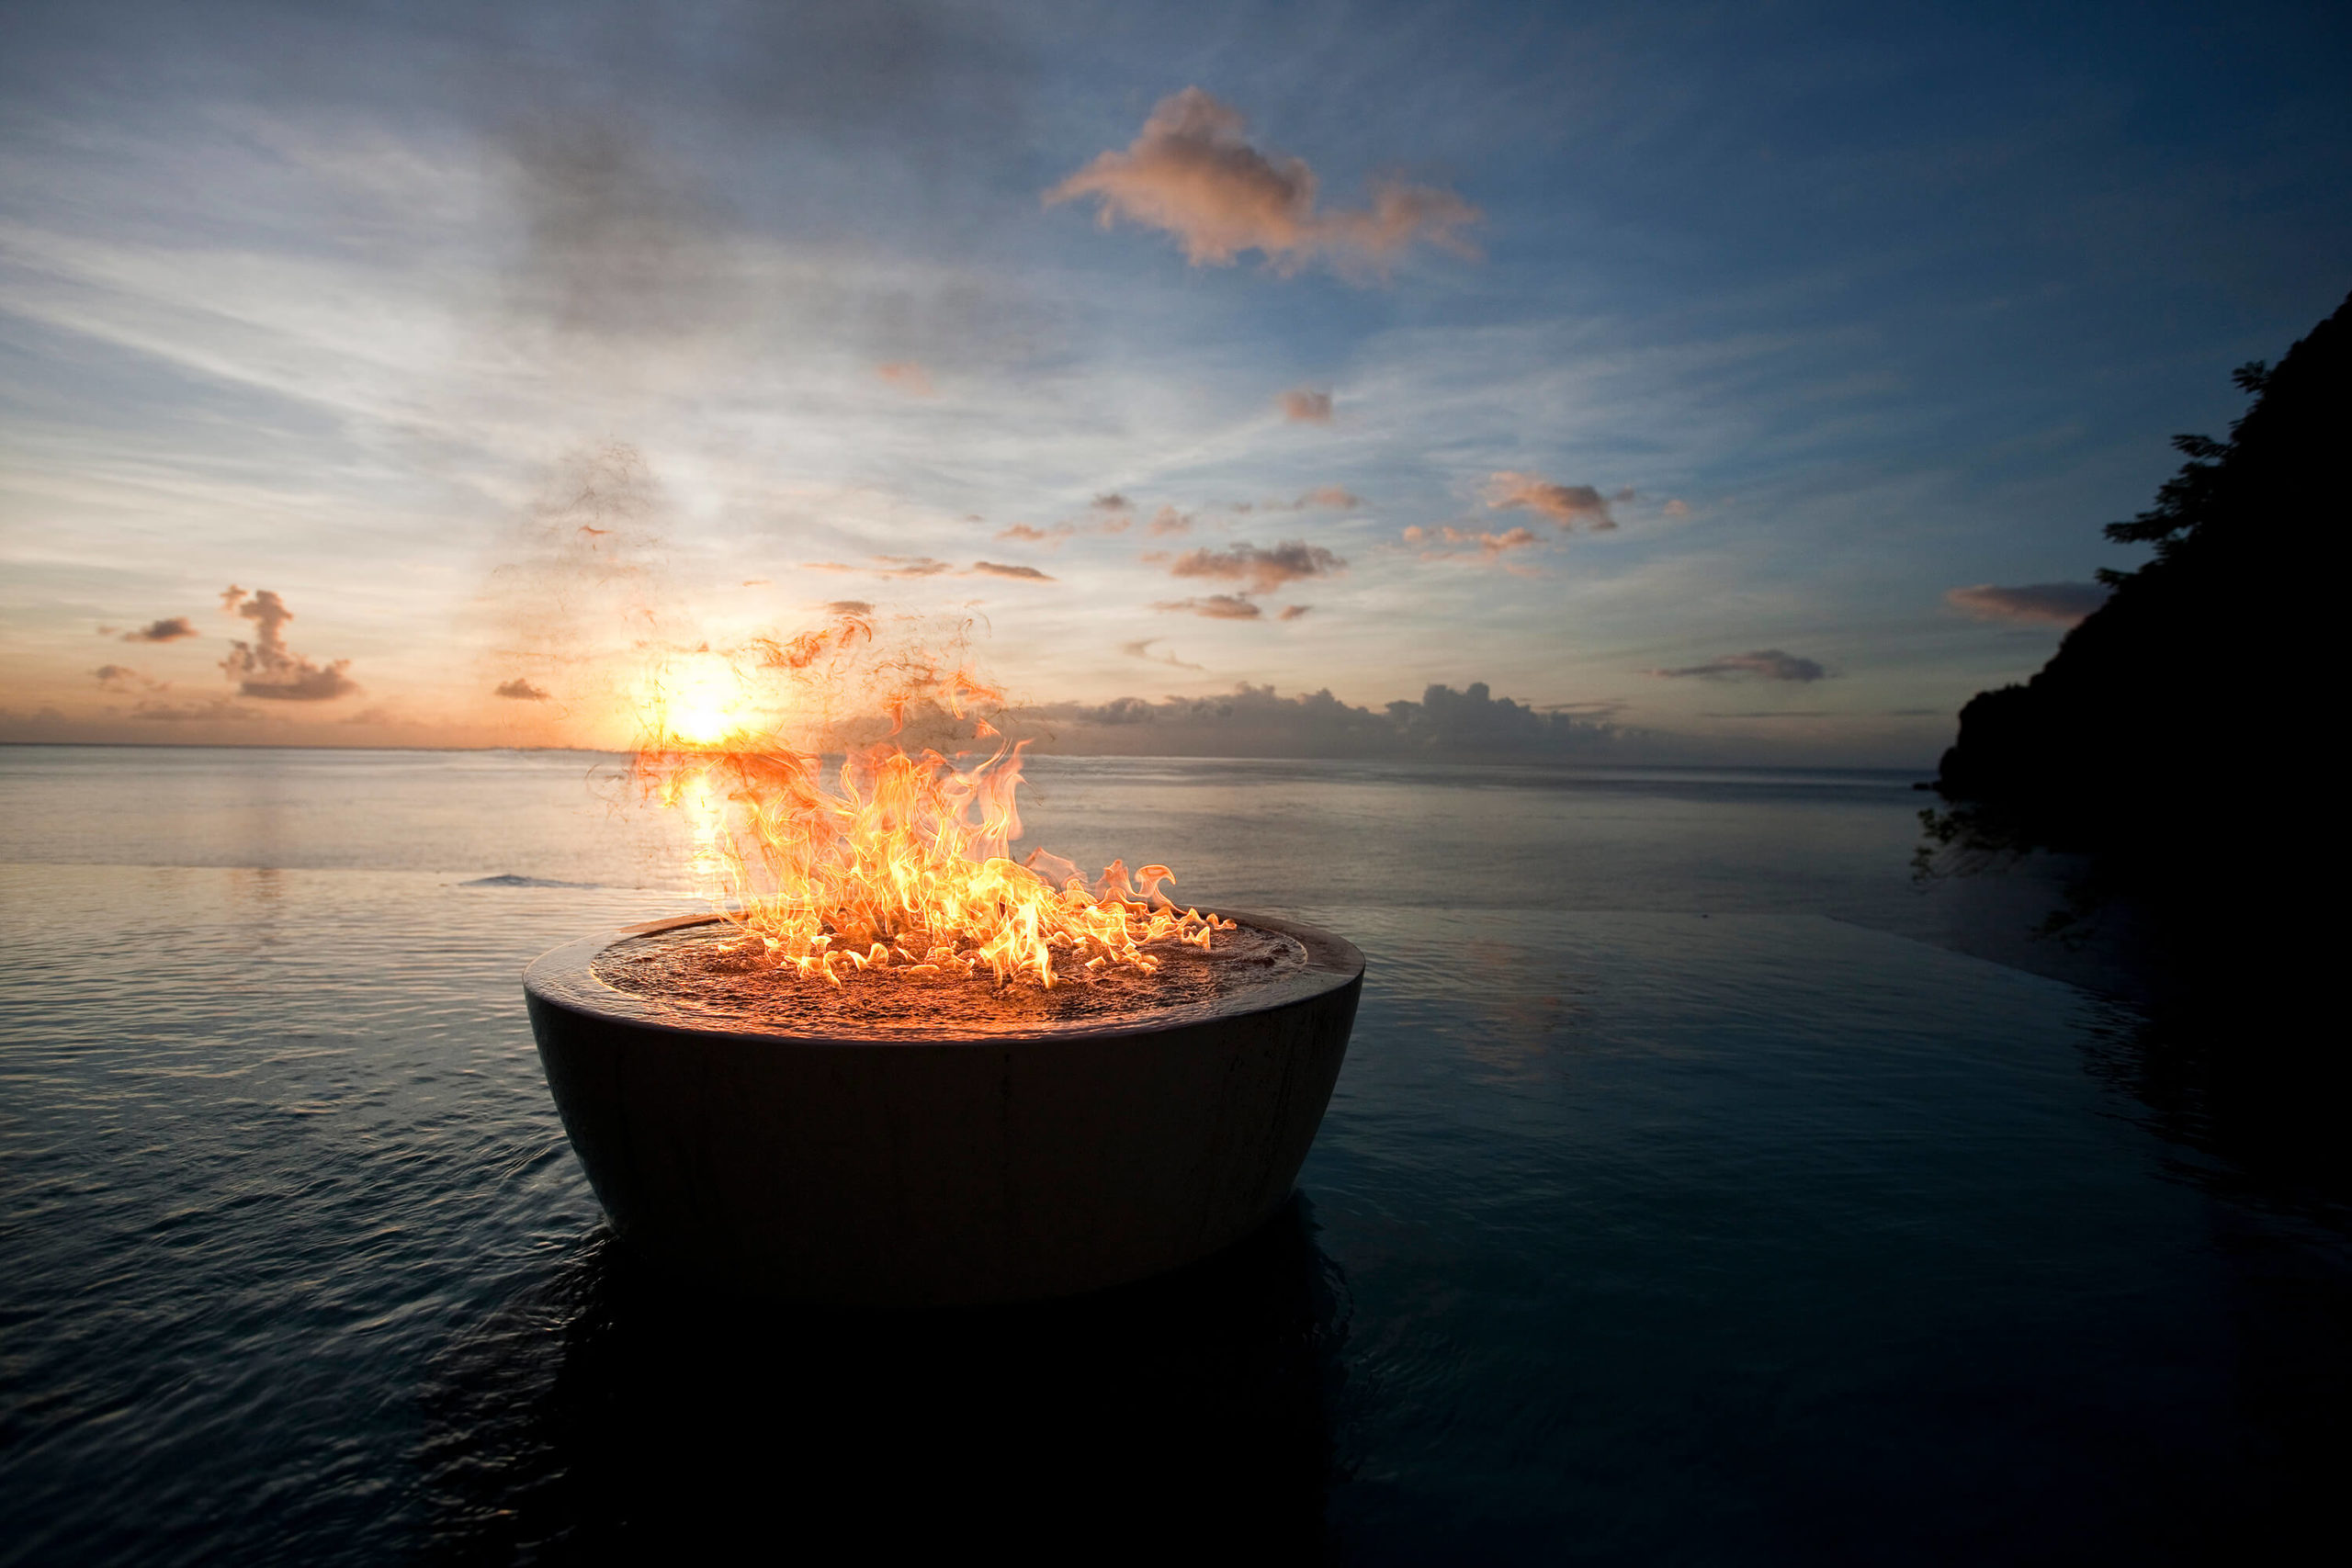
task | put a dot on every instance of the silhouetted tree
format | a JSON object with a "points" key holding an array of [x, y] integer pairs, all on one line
{"points": [[2181, 725]]}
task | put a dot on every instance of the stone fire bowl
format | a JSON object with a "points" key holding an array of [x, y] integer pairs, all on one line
{"points": [[898, 1172]]}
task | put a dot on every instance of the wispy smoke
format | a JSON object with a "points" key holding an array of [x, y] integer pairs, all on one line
{"points": [[1194, 175], [266, 668]]}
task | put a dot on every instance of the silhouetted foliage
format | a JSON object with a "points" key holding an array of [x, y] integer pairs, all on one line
{"points": [[2161, 733]]}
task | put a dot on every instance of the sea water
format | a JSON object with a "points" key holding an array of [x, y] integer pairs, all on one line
{"points": [[1695, 1191]]}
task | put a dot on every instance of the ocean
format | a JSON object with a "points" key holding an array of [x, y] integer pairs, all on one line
{"points": [[1702, 1186]]}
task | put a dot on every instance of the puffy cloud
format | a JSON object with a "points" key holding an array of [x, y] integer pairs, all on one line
{"points": [[908, 376], [1167, 520], [1678, 509], [1568, 505], [266, 668], [1018, 573], [1216, 606], [519, 690], [2061, 603], [1486, 545], [1765, 664], [1193, 174], [1290, 562], [1112, 501], [1306, 405], [170, 630]]}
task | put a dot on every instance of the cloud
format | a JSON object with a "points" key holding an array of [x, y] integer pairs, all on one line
{"points": [[1027, 534], [886, 566], [1765, 663], [1255, 721], [170, 630], [519, 690], [926, 566], [1293, 561], [1446, 541], [1293, 612], [1167, 520], [196, 710], [848, 607], [1334, 498], [266, 668], [1306, 405], [1568, 505], [1215, 607], [1677, 509], [1112, 501], [1193, 174], [1141, 649], [908, 376], [2061, 603]]}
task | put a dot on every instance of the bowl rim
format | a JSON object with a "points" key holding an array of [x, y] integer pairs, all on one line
{"points": [[565, 977]]}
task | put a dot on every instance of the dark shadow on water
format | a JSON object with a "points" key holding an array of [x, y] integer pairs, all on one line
{"points": [[601, 1415]]}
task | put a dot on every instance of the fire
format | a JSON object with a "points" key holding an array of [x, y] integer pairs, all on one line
{"points": [[888, 862]]}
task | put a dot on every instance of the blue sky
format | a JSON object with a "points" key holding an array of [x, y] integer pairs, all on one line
{"points": [[1835, 309]]}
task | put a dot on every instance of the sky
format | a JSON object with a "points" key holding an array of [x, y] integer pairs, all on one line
{"points": [[1740, 383]]}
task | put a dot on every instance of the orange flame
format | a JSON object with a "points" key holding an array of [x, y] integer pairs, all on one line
{"points": [[895, 862]]}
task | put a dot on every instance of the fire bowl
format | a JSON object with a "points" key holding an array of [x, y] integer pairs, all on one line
{"points": [[943, 1168]]}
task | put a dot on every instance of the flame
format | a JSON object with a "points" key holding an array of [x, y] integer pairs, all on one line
{"points": [[891, 862]]}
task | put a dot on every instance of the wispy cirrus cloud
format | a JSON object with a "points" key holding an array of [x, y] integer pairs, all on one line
{"points": [[1193, 174]]}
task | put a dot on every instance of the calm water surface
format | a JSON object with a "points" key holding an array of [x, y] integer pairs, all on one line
{"points": [[1691, 1194]]}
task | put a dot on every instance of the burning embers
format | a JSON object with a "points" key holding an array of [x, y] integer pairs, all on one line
{"points": [[885, 864]]}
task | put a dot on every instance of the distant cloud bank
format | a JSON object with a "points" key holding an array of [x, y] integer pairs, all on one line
{"points": [[1193, 174], [1255, 721], [2061, 603]]}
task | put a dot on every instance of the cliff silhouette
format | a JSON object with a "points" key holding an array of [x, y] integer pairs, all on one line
{"points": [[2179, 722]]}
